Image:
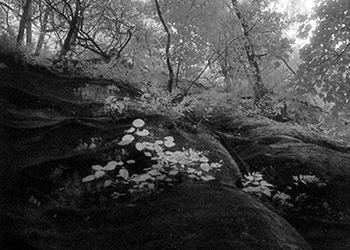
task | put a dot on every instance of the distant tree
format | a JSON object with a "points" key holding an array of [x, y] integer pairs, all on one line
{"points": [[25, 23]]}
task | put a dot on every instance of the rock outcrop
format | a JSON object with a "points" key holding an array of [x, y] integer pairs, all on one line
{"points": [[53, 132]]}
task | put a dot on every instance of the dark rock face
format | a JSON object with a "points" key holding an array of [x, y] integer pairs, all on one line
{"points": [[48, 125], [190, 216], [282, 151]]}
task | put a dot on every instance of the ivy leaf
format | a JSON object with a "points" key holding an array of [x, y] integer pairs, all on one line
{"points": [[130, 161], [127, 139], [110, 166], [138, 123], [89, 178]]}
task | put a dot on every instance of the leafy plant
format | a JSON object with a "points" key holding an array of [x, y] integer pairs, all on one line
{"points": [[168, 168], [298, 196], [293, 198], [255, 184]]}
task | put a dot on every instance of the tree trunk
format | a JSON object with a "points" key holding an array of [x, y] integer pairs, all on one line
{"points": [[73, 30], [43, 29], [29, 29], [25, 18], [167, 49], [258, 87]]}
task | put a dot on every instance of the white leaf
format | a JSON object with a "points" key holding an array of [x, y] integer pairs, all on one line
{"points": [[173, 172], [110, 166], [148, 154], [205, 167], [151, 185], [144, 177], [169, 144], [130, 130], [148, 145], [143, 132], [127, 139], [193, 176], [160, 177], [130, 161], [153, 172], [215, 165], [139, 146], [169, 138], [265, 184], [99, 174], [89, 178], [266, 192], [204, 159], [124, 173], [159, 142], [157, 166], [120, 163], [97, 167], [207, 178], [191, 170], [138, 123]]}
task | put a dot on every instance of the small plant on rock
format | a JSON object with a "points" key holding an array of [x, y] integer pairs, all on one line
{"points": [[168, 168], [255, 184]]}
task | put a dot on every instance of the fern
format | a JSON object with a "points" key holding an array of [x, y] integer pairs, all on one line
{"points": [[306, 179]]}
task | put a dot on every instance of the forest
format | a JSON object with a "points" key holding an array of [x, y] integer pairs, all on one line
{"points": [[184, 124]]}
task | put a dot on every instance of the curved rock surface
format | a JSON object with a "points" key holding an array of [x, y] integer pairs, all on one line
{"points": [[49, 125]]}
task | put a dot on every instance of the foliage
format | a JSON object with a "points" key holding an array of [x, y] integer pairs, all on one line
{"points": [[295, 109], [255, 184], [169, 166], [324, 71], [298, 197]]}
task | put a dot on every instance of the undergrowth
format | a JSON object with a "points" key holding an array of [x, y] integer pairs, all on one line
{"points": [[303, 196], [169, 167]]}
